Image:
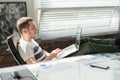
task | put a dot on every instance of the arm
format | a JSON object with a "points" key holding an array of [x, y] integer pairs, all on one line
{"points": [[47, 53], [53, 54], [48, 57], [31, 60]]}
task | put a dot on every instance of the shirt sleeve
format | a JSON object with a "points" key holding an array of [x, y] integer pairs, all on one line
{"points": [[27, 52]]}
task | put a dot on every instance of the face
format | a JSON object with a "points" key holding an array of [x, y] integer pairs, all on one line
{"points": [[32, 30]]}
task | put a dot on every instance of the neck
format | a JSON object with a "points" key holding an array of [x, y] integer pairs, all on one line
{"points": [[26, 38]]}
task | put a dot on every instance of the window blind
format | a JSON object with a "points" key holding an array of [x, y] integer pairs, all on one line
{"points": [[76, 3], [64, 21]]}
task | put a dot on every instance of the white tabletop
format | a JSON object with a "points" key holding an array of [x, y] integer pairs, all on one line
{"points": [[104, 67]]}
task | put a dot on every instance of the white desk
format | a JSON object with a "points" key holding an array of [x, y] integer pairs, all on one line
{"points": [[74, 68], [56, 70], [78, 68]]}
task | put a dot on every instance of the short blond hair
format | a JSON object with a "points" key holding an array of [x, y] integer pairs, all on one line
{"points": [[23, 23]]}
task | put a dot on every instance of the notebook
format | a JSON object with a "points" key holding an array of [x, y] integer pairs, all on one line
{"points": [[73, 47]]}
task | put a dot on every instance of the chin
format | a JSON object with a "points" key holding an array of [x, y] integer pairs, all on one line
{"points": [[34, 36]]}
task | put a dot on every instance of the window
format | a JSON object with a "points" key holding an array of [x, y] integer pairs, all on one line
{"points": [[93, 16], [10, 11]]}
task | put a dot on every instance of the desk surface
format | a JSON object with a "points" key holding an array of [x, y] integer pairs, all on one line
{"points": [[73, 68]]}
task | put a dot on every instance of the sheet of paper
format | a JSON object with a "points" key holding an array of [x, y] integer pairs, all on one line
{"points": [[110, 56], [87, 59], [55, 66], [59, 70], [68, 50]]}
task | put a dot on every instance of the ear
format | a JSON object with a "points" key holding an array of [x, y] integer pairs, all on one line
{"points": [[24, 30]]}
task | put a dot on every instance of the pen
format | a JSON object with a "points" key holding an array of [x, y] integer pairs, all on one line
{"points": [[94, 66]]}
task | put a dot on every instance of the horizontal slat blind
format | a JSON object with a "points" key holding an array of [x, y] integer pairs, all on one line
{"points": [[76, 3], [63, 22]]}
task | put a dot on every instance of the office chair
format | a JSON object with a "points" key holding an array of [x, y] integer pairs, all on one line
{"points": [[12, 43]]}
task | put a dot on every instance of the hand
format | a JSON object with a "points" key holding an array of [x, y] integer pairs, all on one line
{"points": [[56, 51]]}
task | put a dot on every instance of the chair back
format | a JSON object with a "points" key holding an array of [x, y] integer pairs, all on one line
{"points": [[12, 43]]}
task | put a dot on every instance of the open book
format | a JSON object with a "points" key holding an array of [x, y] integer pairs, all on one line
{"points": [[68, 50]]}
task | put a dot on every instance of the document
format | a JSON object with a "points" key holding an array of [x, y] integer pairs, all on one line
{"points": [[67, 51], [59, 71], [51, 68]]}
